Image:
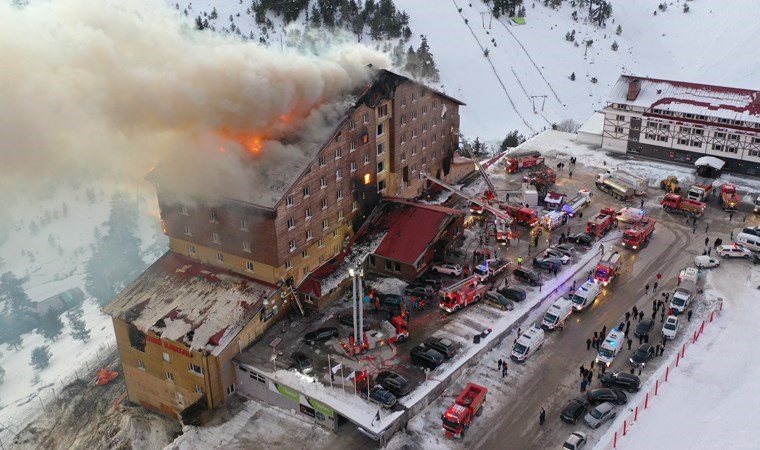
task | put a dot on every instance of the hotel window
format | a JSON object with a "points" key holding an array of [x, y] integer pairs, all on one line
{"points": [[292, 245], [403, 119], [651, 124], [306, 192], [353, 166], [322, 183], [305, 270], [199, 389], [717, 147], [619, 130], [733, 137], [309, 235], [170, 377], [166, 357], [435, 122], [291, 223], [683, 142], [380, 148], [321, 243], [414, 115], [339, 174], [323, 203], [215, 237], [414, 151], [621, 118], [756, 140], [720, 135], [230, 389], [335, 233], [351, 124], [305, 253], [246, 246], [244, 224], [249, 266], [289, 201], [724, 121], [288, 265], [696, 144], [731, 149], [365, 118], [424, 143], [339, 194], [424, 127], [380, 129], [662, 138], [686, 130], [435, 104], [380, 166], [382, 111], [352, 146], [187, 230], [341, 215], [403, 139], [325, 224], [308, 213], [699, 132], [338, 153], [354, 205], [414, 133], [322, 162], [403, 157], [434, 138], [664, 126], [191, 249], [366, 159], [414, 97], [213, 217], [381, 186], [140, 364], [183, 210], [651, 136], [219, 257], [196, 369], [424, 110], [754, 153], [403, 101]]}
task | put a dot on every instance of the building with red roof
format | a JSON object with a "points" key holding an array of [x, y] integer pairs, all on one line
{"points": [[683, 122]]}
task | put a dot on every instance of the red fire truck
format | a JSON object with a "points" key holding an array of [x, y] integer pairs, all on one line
{"points": [[394, 330], [675, 203], [522, 214], [517, 161], [601, 223], [468, 405], [729, 201], [638, 235], [608, 268], [461, 294]]}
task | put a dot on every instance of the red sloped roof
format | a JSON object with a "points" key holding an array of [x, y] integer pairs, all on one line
{"points": [[411, 229]]}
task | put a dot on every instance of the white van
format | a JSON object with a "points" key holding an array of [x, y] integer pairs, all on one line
{"points": [[749, 241], [530, 341], [689, 274], [630, 215], [682, 296], [610, 347], [556, 314], [585, 295], [553, 219]]}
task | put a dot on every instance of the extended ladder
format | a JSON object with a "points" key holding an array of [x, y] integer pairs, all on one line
{"points": [[291, 293]]}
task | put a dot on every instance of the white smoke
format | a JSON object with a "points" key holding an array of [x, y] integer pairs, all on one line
{"points": [[112, 87]]}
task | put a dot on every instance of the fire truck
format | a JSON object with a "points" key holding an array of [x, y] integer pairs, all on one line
{"points": [[522, 214], [638, 235], [543, 176], [396, 329], [608, 268], [729, 201], [467, 405], [675, 203], [490, 269], [502, 219], [616, 188], [601, 223], [463, 293], [517, 161], [699, 192]]}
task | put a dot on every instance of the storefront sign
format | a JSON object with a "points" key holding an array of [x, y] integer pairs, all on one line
{"points": [[168, 345]]}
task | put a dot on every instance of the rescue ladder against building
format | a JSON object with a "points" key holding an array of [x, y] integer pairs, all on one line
{"points": [[478, 166], [506, 218], [290, 293]]}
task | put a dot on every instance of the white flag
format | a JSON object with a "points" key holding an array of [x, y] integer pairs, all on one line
{"points": [[336, 368]]}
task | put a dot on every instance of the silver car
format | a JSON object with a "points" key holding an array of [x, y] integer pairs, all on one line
{"points": [[602, 413], [576, 441]]}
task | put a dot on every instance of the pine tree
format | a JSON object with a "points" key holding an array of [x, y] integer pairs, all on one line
{"points": [[614, 46], [513, 139], [13, 294], [427, 64], [572, 76], [412, 64], [619, 30], [50, 326], [40, 357], [14, 342], [685, 7], [79, 330]]}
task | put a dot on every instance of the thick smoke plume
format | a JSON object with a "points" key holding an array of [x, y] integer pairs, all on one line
{"points": [[110, 87]]}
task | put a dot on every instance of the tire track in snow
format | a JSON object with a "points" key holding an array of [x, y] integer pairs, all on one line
{"points": [[498, 78]]}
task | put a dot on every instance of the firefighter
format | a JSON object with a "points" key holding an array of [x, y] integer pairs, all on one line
{"points": [[519, 261]]}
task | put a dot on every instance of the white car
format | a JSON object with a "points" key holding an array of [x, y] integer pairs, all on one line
{"points": [[705, 262], [448, 269], [733, 251], [575, 441], [670, 327], [554, 253], [630, 215]]}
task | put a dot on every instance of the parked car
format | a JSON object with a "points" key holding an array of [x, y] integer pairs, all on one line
{"points": [[380, 395], [390, 301], [514, 293], [419, 289], [600, 414], [601, 395], [575, 441], [301, 362], [706, 262], [644, 327], [497, 300], [393, 382], [733, 251], [752, 230], [320, 335], [547, 263], [424, 357], [670, 327], [574, 409], [621, 380], [441, 345], [643, 354], [527, 275], [554, 253], [581, 239], [448, 269], [567, 249]]}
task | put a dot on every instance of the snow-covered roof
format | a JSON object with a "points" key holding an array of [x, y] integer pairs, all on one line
{"points": [[594, 124], [711, 161], [690, 98], [184, 301]]}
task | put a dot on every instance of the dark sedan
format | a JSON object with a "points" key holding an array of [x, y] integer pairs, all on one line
{"points": [[419, 290], [320, 335], [391, 301], [547, 263], [381, 396], [527, 275], [601, 395], [574, 410], [581, 239], [301, 362], [642, 355], [514, 293], [393, 382], [644, 327], [621, 380]]}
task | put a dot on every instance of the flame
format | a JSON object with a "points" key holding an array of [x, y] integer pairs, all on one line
{"points": [[251, 142]]}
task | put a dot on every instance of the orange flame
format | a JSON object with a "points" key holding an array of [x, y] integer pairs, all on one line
{"points": [[251, 142]]}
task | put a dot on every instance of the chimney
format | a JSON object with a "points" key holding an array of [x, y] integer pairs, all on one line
{"points": [[634, 87]]}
